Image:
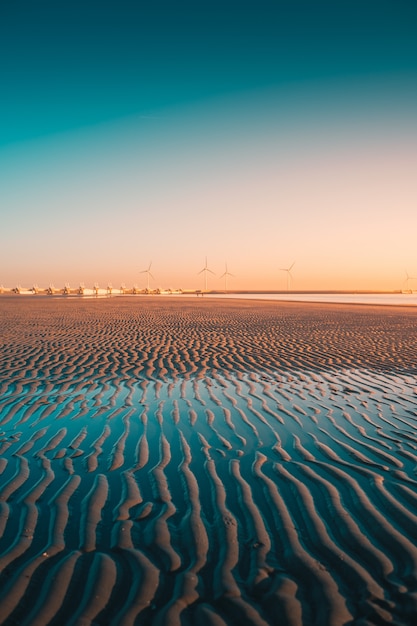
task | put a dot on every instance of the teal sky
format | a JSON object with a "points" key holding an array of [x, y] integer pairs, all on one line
{"points": [[253, 133]]}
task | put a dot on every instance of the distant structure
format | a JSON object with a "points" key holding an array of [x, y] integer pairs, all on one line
{"points": [[225, 275], [289, 275], [82, 290], [148, 273], [205, 270], [407, 282]]}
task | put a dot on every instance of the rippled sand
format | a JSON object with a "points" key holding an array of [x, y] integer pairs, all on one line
{"points": [[182, 461]]}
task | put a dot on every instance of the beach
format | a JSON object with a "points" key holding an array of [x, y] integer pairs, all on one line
{"points": [[180, 461]]}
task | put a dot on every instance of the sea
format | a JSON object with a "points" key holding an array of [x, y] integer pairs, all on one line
{"points": [[393, 299]]}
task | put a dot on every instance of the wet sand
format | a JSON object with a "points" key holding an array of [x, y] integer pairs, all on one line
{"points": [[185, 461]]}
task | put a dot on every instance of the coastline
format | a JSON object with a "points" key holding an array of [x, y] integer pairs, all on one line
{"points": [[328, 297]]}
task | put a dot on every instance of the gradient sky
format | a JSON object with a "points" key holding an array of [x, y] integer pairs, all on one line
{"points": [[254, 133]]}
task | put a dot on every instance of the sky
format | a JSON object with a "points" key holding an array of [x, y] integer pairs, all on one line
{"points": [[257, 135]]}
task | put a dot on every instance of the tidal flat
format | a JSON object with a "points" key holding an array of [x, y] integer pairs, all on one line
{"points": [[182, 461]]}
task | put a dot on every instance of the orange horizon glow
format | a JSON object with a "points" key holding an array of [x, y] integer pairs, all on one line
{"points": [[250, 183]]}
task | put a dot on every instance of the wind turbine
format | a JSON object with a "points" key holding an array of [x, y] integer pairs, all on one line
{"points": [[148, 273], [407, 280], [289, 275], [225, 275], [205, 270]]}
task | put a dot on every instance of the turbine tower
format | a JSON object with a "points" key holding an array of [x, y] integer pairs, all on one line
{"points": [[148, 273], [205, 270], [407, 281], [289, 275], [225, 275]]}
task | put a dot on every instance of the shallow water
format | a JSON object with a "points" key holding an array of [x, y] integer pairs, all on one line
{"points": [[377, 299], [249, 497]]}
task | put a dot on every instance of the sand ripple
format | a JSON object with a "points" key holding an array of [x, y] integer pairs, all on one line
{"points": [[207, 463]]}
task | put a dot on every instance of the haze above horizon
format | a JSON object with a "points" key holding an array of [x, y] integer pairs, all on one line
{"points": [[254, 135]]}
